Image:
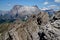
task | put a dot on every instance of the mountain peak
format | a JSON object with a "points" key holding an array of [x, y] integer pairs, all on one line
{"points": [[35, 6], [17, 6]]}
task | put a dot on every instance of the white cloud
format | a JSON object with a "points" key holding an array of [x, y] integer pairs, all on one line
{"points": [[52, 6], [45, 3], [58, 1], [55, 7], [44, 8]]}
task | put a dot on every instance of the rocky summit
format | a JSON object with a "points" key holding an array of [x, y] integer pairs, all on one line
{"points": [[37, 27]]}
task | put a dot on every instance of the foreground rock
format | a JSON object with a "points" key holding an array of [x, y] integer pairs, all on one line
{"points": [[23, 32], [51, 31], [57, 14]]}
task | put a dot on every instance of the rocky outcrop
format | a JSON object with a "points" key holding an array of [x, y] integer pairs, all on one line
{"points": [[23, 32], [37, 27], [57, 14], [26, 30], [51, 32], [44, 17]]}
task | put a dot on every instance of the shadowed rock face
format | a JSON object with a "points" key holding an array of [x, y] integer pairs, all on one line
{"points": [[41, 35], [56, 16], [39, 21], [10, 37]]}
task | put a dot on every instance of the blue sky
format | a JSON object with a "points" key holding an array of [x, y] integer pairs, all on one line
{"points": [[42, 4]]}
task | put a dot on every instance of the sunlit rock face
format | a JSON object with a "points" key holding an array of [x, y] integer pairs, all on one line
{"points": [[25, 10], [25, 31], [44, 17]]}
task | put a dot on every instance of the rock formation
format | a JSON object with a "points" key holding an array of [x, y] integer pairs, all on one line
{"points": [[57, 14], [37, 27]]}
